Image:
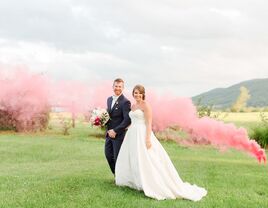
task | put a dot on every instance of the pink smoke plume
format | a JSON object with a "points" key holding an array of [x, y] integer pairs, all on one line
{"points": [[79, 97], [23, 94], [28, 94], [172, 111]]}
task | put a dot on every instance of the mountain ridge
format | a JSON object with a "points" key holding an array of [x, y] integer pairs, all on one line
{"points": [[225, 97]]}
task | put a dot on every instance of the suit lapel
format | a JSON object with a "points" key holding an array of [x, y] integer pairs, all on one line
{"points": [[110, 104], [117, 102]]}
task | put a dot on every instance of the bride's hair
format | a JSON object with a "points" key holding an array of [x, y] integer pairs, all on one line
{"points": [[141, 89]]}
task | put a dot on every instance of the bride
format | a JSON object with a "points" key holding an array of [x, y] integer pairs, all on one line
{"points": [[143, 164]]}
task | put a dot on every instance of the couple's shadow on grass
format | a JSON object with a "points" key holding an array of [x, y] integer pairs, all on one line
{"points": [[109, 185], [126, 192]]}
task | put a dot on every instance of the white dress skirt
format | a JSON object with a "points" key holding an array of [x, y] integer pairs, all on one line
{"points": [[150, 170]]}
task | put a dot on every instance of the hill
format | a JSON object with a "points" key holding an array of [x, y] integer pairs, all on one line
{"points": [[225, 97]]}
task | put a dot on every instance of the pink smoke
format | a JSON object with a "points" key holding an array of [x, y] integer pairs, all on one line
{"points": [[23, 94], [79, 97], [172, 111], [29, 94]]}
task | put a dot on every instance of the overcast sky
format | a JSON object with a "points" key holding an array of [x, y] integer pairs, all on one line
{"points": [[181, 46]]}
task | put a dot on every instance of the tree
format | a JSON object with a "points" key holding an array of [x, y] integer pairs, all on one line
{"points": [[241, 101]]}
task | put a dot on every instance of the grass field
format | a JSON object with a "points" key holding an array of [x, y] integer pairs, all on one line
{"points": [[52, 170]]}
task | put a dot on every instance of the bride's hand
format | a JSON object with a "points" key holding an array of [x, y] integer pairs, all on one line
{"points": [[148, 144]]}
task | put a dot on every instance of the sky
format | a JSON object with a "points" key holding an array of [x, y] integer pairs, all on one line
{"points": [[173, 46]]}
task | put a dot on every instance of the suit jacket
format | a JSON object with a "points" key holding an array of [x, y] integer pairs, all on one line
{"points": [[119, 118]]}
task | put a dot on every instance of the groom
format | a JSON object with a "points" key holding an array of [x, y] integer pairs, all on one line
{"points": [[118, 108]]}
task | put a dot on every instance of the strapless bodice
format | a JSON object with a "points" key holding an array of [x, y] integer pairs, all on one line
{"points": [[137, 116]]}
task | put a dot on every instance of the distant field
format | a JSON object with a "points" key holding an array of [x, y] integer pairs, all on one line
{"points": [[243, 117], [246, 120]]}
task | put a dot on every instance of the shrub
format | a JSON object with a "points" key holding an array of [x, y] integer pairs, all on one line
{"points": [[66, 124], [207, 110], [260, 134], [9, 120], [6, 121], [24, 103]]}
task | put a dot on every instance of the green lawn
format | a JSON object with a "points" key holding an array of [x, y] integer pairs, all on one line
{"points": [[52, 170]]}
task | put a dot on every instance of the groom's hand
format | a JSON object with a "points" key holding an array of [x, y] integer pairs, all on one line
{"points": [[111, 133]]}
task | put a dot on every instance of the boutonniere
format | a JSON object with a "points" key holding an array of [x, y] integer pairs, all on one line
{"points": [[116, 104]]}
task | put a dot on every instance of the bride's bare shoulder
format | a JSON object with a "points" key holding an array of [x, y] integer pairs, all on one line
{"points": [[145, 103], [146, 106]]}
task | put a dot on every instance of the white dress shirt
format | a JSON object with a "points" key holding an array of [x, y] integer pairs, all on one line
{"points": [[115, 97]]}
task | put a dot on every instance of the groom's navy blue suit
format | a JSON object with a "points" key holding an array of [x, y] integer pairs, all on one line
{"points": [[119, 121]]}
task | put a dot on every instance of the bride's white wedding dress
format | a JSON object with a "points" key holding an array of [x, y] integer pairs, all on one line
{"points": [[150, 170]]}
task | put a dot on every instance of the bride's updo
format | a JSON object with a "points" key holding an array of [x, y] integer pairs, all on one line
{"points": [[141, 89]]}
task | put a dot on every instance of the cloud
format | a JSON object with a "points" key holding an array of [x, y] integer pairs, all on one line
{"points": [[184, 47]]}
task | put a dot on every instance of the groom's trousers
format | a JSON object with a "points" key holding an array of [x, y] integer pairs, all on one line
{"points": [[112, 147]]}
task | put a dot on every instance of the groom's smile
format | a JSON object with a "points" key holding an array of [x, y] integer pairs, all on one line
{"points": [[118, 88]]}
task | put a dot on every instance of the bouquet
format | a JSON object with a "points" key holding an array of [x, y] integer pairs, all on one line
{"points": [[99, 117]]}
